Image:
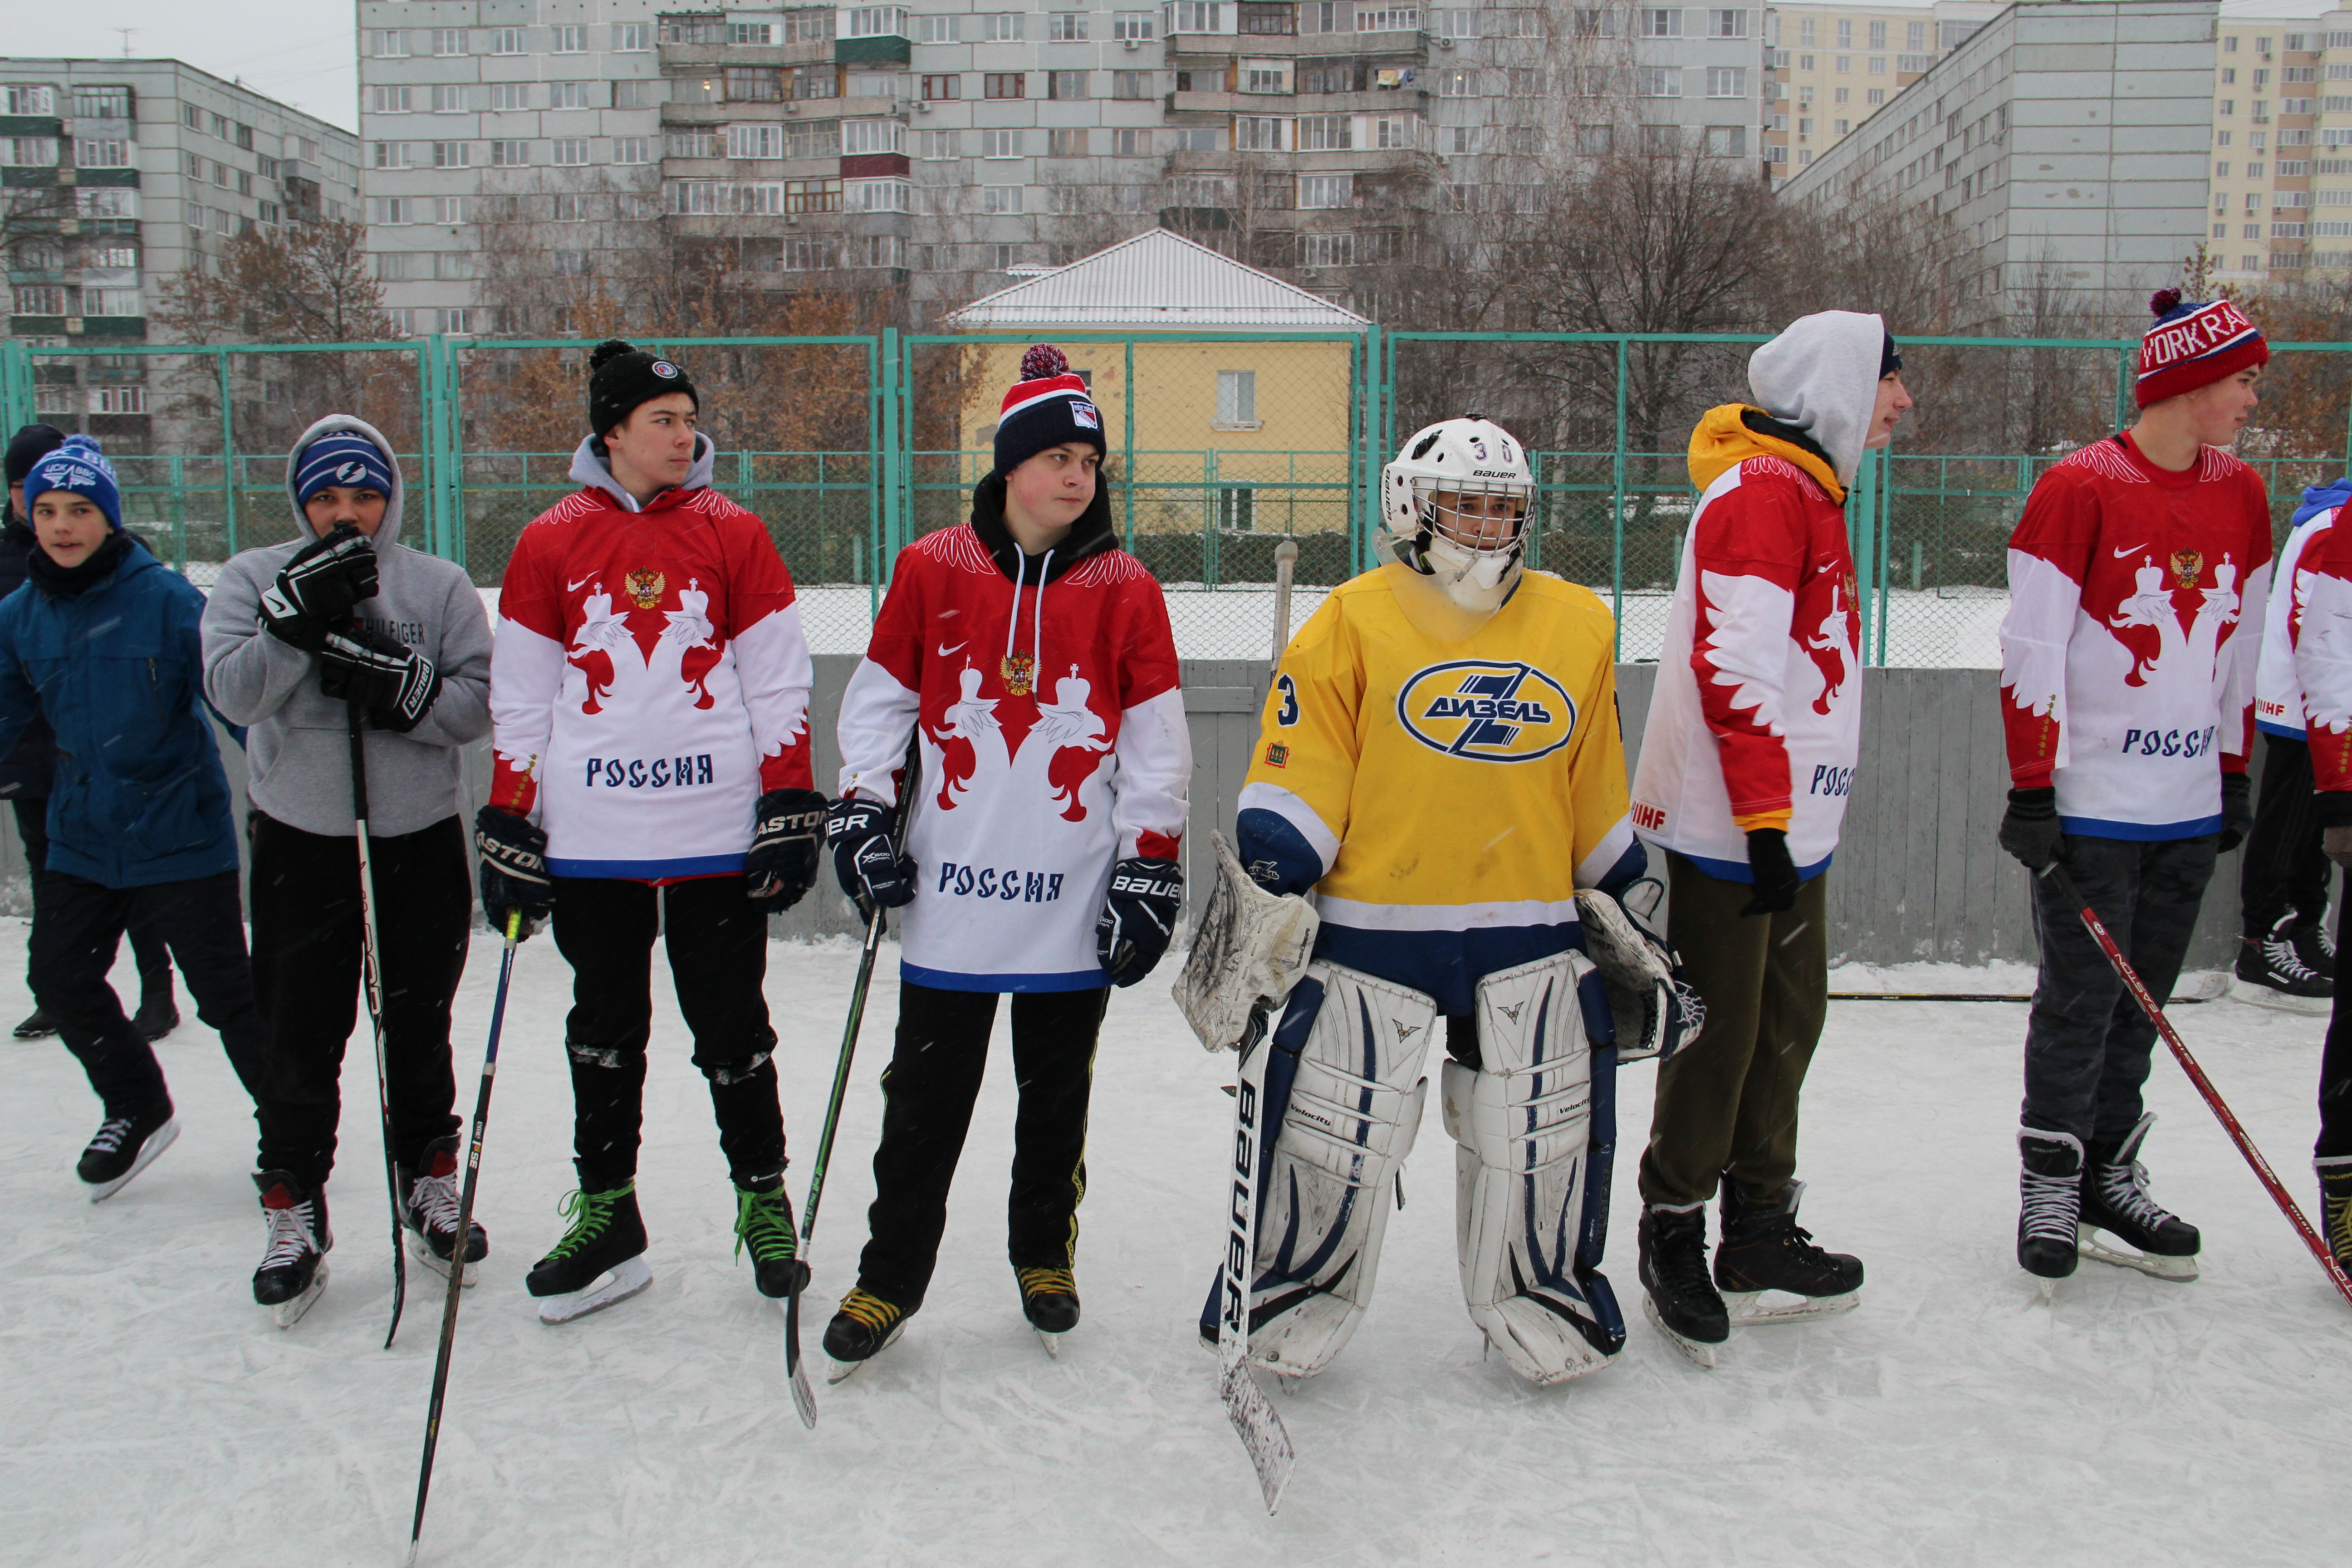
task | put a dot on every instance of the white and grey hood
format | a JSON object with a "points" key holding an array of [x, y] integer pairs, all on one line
{"points": [[1821, 376], [590, 467]]}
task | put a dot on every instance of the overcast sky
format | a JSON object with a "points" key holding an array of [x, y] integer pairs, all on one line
{"points": [[300, 51]]}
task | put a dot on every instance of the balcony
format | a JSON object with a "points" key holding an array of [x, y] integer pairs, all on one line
{"points": [[1379, 100], [684, 59], [887, 50], [1400, 48]]}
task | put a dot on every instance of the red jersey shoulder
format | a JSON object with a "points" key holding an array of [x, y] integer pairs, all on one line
{"points": [[1773, 471], [2103, 459], [956, 548], [1108, 569], [581, 503]]}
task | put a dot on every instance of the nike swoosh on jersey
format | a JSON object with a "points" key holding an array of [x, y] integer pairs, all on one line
{"points": [[945, 651], [2130, 550], [576, 587]]}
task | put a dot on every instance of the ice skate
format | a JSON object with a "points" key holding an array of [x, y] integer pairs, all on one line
{"points": [[1677, 1297], [1049, 1300], [2336, 1206], [2050, 1204], [429, 1211], [38, 1025], [2115, 1202], [125, 1146], [157, 1016], [601, 1260], [1769, 1270], [2276, 970], [294, 1268], [863, 1327], [763, 1222]]}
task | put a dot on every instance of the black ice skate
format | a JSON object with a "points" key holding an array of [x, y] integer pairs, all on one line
{"points": [[429, 1209], [1677, 1297], [2277, 971], [763, 1222], [1764, 1250], [38, 1025], [2116, 1200], [599, 1261], [2314, 943], [123, 1146], [864, 1328], [157, 1016], [2336, 1206], [1049, 1300], [294, 1268], [2052, 1197]]}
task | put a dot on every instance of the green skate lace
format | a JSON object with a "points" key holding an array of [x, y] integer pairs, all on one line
{"points": [[766, 1220], [589, 1214]]}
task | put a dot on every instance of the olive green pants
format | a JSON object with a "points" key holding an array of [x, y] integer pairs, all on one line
{"points": [[1726, 1106]]}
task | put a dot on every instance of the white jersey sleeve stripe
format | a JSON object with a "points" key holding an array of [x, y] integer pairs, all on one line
{"points": [[877, 716], [1296, 812], [1154, 754]]}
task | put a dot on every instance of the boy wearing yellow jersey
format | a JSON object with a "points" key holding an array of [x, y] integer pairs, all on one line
{"points": [[1440, 762]]}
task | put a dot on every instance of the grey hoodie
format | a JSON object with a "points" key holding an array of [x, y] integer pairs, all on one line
{"points": [[299, 750], [1820, 375]]}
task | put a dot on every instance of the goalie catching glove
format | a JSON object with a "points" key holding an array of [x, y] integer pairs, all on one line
{"points": [[396, 684], [1138, 918], [1656, 1010], [315, 591], [1249, 948]]}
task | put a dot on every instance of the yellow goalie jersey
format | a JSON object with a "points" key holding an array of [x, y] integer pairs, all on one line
{"points": [[1442, 799]]}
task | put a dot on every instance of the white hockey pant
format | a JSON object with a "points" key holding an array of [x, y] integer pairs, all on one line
{"points": [[1349, 1110], [1525, 1126]]}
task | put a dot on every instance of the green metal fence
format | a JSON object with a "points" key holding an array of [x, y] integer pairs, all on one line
{"points": [[1222, 446]]}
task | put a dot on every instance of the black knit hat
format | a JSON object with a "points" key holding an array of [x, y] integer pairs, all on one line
{"points": [[622, 375], [29, 447]]}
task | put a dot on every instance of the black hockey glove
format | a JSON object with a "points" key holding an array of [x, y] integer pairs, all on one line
{"points": [[786, 828], [2028, 828], [1773, 874], [1138, 918], [870, 870], [315, 590], [393, 682], [514, 870], [2237, 811]]}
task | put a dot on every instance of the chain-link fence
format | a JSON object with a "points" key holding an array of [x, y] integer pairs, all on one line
{"points": [[1220, 446]]}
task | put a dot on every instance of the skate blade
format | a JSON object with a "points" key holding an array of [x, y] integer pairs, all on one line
{"points": [[286, 1314], [163, 1138], [843, 1370], [422, 1250], [2172, 1270], [1053, 1343], [624, 1280], [1699, 1354], [2255, 995], [1784, 1306]]}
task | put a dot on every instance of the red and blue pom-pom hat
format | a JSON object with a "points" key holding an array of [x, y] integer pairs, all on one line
{"points": [[1047, 407], [2194, 344]]}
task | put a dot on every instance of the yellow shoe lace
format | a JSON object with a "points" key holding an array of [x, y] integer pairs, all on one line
{"points": [[871, 1309], [1041, 1282], [2337, 1221]]}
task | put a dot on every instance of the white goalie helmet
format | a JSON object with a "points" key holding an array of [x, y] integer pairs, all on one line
{"points": [[1474, 544]]}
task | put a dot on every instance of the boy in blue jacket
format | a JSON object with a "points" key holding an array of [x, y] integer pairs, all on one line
{"points": [[102, 642]]}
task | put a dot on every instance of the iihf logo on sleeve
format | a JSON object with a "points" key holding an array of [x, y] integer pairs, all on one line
{"points": [[1491, 710]]}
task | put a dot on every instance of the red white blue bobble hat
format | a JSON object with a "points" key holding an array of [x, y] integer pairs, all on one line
{"points": [[2194, 344], [1047, 407]]}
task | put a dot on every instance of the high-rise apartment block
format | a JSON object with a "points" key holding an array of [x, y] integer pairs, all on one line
{"points": [[115, 177], [1830, 67]]}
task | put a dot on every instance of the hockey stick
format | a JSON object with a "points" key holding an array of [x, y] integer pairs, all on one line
{"points": [[1255, 1420], [371, 959], [1286, 562], [2287, 1206], [465, 1232], [803, 1397]]}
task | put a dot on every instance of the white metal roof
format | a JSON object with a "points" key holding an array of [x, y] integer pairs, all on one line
{"points": [[1156, 279]]}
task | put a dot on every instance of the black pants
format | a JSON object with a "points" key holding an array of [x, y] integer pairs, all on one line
{"points": [[78, 925], [2086, 1042], [2336, 1068], [2285, 871], [928, 1093], [718, 944], [147, 950], [308, 972]]}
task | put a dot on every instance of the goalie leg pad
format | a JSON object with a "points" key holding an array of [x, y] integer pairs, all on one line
{"points": [[1534, 1123], [1344, 1092]]}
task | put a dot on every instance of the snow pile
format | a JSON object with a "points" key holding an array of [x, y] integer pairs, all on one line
{"points": [[1953, 1417]]}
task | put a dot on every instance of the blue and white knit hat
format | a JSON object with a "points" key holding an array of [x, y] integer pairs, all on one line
{"points": [[342, 457], [78, 466]]}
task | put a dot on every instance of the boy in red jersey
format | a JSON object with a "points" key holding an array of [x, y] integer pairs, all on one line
{"points": [[2137, 580], [1034, 658], [649, 707]]}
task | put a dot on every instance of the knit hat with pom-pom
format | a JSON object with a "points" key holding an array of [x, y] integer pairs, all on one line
{"points": [[1048, 406], [621, 375], [2194, 344], [81, 466]]}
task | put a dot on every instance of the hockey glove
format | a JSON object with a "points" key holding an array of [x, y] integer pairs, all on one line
{"points": [[786, 828], [514, 870], [317, 587], [1773, 874], [393, 682], [2028, 828], [871, 871], [1138, 918], [2237, 811]]}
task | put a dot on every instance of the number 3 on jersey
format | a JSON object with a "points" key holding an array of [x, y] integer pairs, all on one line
{"points": [[1289, 715]]}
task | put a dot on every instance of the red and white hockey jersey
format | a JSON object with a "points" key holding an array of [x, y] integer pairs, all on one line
{"points": [[1053, 745], [2136, 606], [1756, 718], [649, 682], [2318, 631], [2278, 689]]}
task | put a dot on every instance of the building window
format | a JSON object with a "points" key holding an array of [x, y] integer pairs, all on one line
{"points": [[880, 22], [751, 35], [389, 44], [1726, 140], [1198, 16], [1325, 133], [940, 30], [1134, 25], [754, 84], [1001, 26], [632, 38], [1237, 400], [116, 399], [568, 95], [1065, 26], [936, 146], [1132, 141], [570, 40], [100, 153], [1258, 133], [879, 195], [452, 41], [1131, 84], [1665, 139], [632, 148], [814, 81], [510, 155], [1595, 141], [453, 154], [1658, 81], [1066, 143], [40, 299], [1727, 82], [1000, 199], [1327, 190], [1878, 65], [1004, 84], [1662, 24], [1374, 18], [388, 155], [390, 100], [942, 87], [1066, 85], [570, 149], [860, 137], [1456, 83], [1727, 23], [1000, 144]]}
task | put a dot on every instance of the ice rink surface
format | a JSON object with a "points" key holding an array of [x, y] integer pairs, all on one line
{"points": [[154, 1415]]}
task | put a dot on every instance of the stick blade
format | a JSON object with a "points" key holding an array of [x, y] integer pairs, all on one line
{"points": [[803, 1397], [1261, 1430]]}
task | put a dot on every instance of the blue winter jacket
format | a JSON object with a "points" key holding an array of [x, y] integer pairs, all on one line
{"points": [[118, 672]]}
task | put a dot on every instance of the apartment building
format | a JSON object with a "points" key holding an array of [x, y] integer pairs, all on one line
{"points": [[1830, 67], [2274, 130], [115, 177]]}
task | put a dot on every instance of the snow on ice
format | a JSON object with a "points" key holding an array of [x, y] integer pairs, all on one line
{"points": [[154, 1415]]}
